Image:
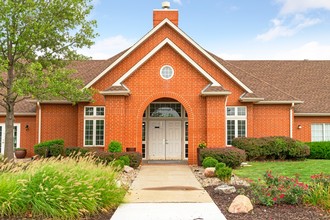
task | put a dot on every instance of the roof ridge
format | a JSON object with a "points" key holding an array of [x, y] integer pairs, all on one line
{"points": [[253, 75]]}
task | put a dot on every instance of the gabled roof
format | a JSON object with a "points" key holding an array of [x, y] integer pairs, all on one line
{"points": [[306, 80], [178, 30]]}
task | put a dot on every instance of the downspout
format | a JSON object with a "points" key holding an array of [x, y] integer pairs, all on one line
{"points": [[291, 120], [39, 122]]}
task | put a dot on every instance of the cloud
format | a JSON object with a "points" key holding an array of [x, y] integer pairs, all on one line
{"points": [[106, 48], [283, 28], [299, 6], [178, 2]]}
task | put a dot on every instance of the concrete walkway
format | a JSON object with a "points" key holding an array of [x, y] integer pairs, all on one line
{"points": [[164, 192]]}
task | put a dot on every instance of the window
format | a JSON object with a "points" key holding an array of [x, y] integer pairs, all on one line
{"points": [[321, 132], [165, 110], [94, 126], [235, 123], [166, 72], [17, 134]]}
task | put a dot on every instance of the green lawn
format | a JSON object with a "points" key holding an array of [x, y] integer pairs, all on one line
{"points": [[286, 168]]}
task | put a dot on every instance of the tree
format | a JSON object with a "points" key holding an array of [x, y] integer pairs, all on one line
{"points": [[37, 40]]}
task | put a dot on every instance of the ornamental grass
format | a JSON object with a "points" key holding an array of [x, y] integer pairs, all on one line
{"points": [[60, 188]]}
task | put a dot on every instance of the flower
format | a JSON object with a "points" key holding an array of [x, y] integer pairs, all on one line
{"points": [[274, 199], [282, 196]]}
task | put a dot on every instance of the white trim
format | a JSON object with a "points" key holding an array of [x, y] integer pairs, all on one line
{"points": [[167, 21], [157, 48], [291, 120], [251, 99], [3, 134], [279, 102], [20, 114], [125, 93], [51, 101], [161, 72], [39, 123], [312, 114]]}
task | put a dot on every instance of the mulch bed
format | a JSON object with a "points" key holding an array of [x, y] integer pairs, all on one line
{"points": [[280, 212]]}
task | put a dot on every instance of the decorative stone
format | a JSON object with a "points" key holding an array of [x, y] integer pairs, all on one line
{"points": [[128, 169], [209, 172], [241, 204], [225, 189]]}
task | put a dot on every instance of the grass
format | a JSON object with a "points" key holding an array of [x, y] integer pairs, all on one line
{"points": [[60, 188], [304, 169]]}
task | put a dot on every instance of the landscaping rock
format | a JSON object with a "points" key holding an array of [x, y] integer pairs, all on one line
{"points": [[209, 172], [225, 189], [128, 169], [241, 204], [234, 180]]}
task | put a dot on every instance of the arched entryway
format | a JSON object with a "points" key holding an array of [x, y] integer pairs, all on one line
{"points": [[165, 131]]}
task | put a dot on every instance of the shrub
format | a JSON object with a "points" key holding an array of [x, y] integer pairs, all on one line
{"points": [[224, 173], [270, 148], [118, 163], [319, 150], [115, 146], [125, 159], [43, 149], [107, 157], [319, 191], [278, 189], [220, 165], [209, 162], [73, 151], [59, 189], [231, 156]]}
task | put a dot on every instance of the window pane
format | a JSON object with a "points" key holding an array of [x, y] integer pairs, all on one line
{"points": [[100, 111], [317, 132], [241, 111], [230, 131], [89, 132], [241, 128], [327, 132], [99, 139], [89, 111], [186, 131], [230, 111], [15, 136], [170, 110], [143, 131]]}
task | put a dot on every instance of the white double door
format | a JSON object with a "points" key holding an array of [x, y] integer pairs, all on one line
{"points": [[165, 142], [17, 131]]}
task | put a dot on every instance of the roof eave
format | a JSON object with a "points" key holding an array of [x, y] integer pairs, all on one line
{"points": [[252, 99], [280, 102], [223, 93], [20, 114], [115, 93], [312, 114]]}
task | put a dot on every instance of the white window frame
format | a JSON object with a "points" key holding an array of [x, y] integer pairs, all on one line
{"points": [[323, 132], [94, 118], [236, 118], [18, 137], [161, 72]]}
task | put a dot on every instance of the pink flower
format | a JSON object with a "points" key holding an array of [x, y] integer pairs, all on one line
{"points": [[282, 196], [274, 199]]}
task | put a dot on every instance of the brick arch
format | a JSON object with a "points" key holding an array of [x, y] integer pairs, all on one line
{"points": [[184, 103]]}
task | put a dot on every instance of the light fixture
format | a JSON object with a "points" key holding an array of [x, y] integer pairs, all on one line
{"points": [[26, 127], [299, 126]]}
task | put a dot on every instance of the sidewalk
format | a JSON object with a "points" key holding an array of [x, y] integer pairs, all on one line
{"points": [[166, 192]]}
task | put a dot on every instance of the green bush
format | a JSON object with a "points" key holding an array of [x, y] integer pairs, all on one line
{"points": [[107, 157], [319, 150], [43, 149], [272, 148], [125, 159], [224, 173], [220, 165], [231, 156], [209, 162], [73, 151], [58, 189], [115, 146], [118, 163]]}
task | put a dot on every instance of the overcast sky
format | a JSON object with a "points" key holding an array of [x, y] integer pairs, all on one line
{"points": [[232, 29]]}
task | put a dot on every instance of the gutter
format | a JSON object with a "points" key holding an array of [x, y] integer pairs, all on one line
{"points": [[291, 120], [312, 114]]}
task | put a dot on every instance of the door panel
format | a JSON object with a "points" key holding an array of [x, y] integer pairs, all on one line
{"points": [[173, 140], [2, 139], [157, 140]]}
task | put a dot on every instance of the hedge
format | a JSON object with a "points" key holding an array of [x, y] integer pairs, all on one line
{"points": [[319, 150], [49, 148], [107, 157], [231, 156], [272, 148]]}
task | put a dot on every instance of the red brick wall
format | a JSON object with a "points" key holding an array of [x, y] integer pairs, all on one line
{"points": [[271, 120], [305, 133], [59, 121], [160, 15], [27, 138]]}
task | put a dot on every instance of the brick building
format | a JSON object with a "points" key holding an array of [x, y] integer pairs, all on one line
{"points": [[166, 94]]}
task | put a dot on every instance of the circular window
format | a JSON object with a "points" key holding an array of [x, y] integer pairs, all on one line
{"points": [[166, 72]]}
